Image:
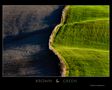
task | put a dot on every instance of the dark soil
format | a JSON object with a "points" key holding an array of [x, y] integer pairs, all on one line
{"points": [[26, 31]]}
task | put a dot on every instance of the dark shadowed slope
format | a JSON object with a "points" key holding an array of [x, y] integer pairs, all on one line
{"points": [[26, 31]]}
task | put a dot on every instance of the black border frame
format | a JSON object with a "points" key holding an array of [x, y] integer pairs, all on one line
{"points": [[64, 82]]}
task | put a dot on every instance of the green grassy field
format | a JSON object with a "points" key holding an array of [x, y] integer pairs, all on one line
{"points": [[83, 40]]}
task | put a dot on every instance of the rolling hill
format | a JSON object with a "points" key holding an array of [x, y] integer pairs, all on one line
{"points": [[81, 40]]}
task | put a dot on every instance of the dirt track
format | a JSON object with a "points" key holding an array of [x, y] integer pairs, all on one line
{"points": [[26, 31]]}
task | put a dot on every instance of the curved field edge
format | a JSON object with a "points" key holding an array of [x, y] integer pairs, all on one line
{"points": [[64, 66], [58, 27]]}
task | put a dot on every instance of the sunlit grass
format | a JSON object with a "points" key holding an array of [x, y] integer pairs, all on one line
{"points": [[83, 40], [86, 62]]}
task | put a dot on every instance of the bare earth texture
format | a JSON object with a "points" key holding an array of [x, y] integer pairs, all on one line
{"points": [[26, 31]]}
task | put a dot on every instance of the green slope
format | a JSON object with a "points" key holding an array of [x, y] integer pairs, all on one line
{"points": [[83, 40]]}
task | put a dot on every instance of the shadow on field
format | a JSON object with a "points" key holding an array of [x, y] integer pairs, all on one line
{"points": [[26, 52]]}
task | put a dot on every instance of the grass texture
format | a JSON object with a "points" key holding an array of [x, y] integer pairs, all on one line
{"points": [[83, 40]]}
